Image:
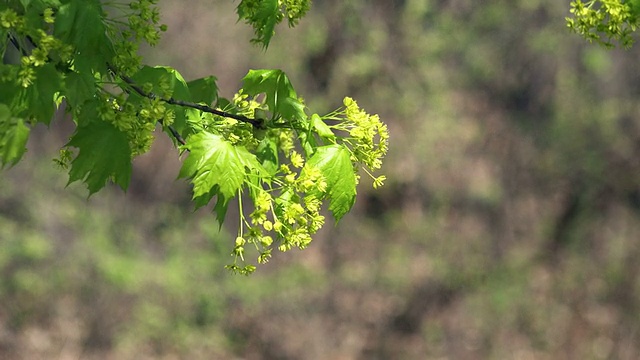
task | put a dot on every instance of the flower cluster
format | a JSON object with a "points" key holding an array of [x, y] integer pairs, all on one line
{"points": [[144, 21], [47, 47], [605, 21], [236, 132], [138, 120], [291, 217], [143, 24], [295, 10], [368, 137], [253, 12]]}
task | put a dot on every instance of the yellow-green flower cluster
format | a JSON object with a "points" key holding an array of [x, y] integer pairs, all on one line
{"points": [[144, 20], [605, 21], [137, 121], [263, 18], [9, 19], [368, 138], [143, 24], [237, 132], [291, 217], [295, 10], [47, 46], [245, 105]]}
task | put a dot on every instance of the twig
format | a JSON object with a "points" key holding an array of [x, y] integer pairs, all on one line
{"points": [[257, 123], [175, 134]]}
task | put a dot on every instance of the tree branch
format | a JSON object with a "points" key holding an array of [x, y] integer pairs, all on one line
{"points": [[257, 123], [175, 134]]}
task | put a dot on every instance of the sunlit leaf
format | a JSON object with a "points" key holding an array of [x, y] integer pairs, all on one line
{"points": [[217, 167], [334, 162]]}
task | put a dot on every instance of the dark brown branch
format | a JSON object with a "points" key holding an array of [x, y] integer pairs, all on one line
{"points": [[176, 134], [257, 123]]}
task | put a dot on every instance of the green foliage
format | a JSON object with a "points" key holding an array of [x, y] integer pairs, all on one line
{"points": [[264, 15], [261, 144], [334, 163], [103, 154], [217, 168], [14, 136], [605, 21]]}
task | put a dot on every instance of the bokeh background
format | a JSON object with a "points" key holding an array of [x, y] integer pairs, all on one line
{"points": [[509, 227]]}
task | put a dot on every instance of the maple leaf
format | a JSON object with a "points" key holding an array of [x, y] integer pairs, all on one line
{"points": [[104, 154], [13, 137], [216, 167], [91, 43], [281, 98], [334, 162]]}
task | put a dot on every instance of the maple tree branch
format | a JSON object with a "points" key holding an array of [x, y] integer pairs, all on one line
{"points": [[257, 123], [176, 135]]}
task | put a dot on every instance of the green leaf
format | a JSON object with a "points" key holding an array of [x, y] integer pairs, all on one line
{"points": [[36, 101], [4, 35], [103, 155], [42, 92], [203, 90], [281, 98], [222, 204], [13, 95], [217, 167], [80, 87], [267, 16], [159, 75], [308, 142], [263, 15], [13, 137], [267, 153], [291, 108], [334, 161], [81, 23], [321, 127]]}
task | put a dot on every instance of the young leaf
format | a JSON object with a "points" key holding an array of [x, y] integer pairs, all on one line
{"points": [[267, 153], [281, 97], [263, 15], [220, 209], [103, 155], [81, 23], [334, 161], [321, 127], [13, 95], [13, 137], [216, 167], [267, 18], [203, 90]]}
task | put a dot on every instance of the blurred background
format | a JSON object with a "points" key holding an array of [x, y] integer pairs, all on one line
{"points": [[509, 227]]}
